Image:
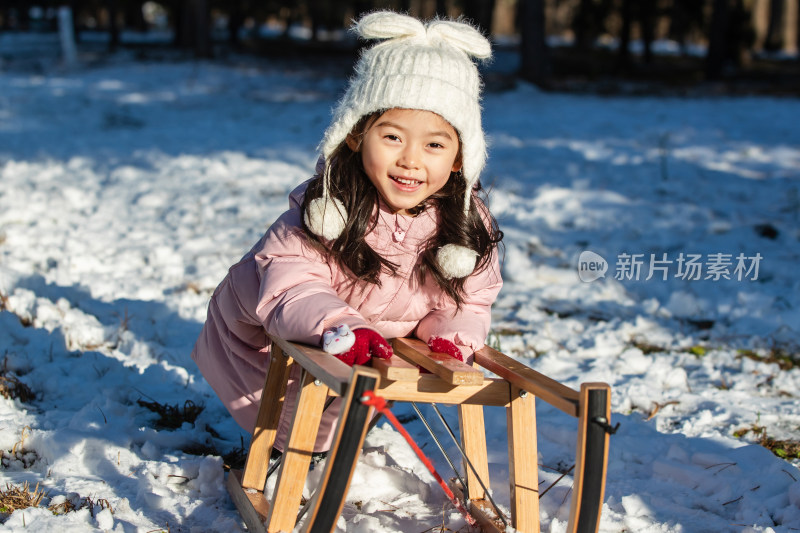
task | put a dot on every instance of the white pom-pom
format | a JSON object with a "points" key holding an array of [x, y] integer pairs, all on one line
{"points": [[456, 261], [326, 217]]}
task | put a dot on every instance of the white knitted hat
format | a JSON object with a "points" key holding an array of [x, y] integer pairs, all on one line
{"points": [[417, 66]]}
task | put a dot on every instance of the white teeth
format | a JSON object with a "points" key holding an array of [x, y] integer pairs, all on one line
{"points": [[405, 181]]}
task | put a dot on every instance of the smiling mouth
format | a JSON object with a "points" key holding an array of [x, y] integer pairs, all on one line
{"points": [[408, 182]]}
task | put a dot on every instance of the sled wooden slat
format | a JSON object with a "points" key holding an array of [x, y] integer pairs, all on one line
{"points": [[255, 470], [449, 369], [398, 380], [432, 389], [323, 366], [528, 379], [473, 440], [396, 369], [297, 455], [481, 511], [523, 468], [252, 505]]}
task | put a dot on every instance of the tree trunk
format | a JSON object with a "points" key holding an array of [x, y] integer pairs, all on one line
{"points": [[584, 38], [533, 48], [718, 39], [134, 17], [316, 12], [774, 39], [441, 9], [678, 22], [22, 15], [685, 15], [362, 7], [235, 22], [77, 10], [647, 21], [202, 28], [113, 27], [192, 29], [624, 57], [180, 20], [481, 13], [741, 34], [68, 51]]}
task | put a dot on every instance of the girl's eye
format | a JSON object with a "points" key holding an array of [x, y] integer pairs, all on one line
{"points": [[391, 137], [436, 145]]}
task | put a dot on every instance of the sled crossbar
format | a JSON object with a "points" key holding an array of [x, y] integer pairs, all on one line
{"points": [[447, 381]]}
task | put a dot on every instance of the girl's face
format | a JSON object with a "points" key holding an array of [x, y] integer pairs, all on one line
{"points": [[408, 155]]}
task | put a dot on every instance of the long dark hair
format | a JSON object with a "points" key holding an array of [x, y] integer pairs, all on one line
{"points": [[477, 229]]}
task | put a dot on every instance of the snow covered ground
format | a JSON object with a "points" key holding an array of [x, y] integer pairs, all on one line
{"points": [[127, 188]]}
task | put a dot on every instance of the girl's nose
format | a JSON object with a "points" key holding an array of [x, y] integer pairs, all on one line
{"points": [[409, 158]]}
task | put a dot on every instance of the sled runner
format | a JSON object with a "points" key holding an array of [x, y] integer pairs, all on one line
{"points": [[398, 379]]}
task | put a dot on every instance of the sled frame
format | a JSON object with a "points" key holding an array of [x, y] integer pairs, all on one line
{"points": [[449, 382]]}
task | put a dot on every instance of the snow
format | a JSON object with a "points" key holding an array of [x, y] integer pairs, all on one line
{"points": [[129, 187]]}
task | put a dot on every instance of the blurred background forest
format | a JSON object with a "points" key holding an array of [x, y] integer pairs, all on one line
{"points": [[744, 46]]}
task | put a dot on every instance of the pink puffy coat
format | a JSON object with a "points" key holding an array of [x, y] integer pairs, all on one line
{"points": [[285, 287]]}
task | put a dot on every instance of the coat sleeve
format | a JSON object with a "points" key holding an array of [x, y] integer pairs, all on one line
{"points": [[468, 326], [297, 300]]}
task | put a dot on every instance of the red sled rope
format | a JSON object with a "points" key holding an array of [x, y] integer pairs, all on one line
{"points": [[379, 403]]}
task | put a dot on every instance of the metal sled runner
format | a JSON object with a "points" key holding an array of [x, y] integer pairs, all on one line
{"points": [[398, 379]]}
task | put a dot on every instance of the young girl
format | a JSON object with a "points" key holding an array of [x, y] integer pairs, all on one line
{"points": [[389, 239]]}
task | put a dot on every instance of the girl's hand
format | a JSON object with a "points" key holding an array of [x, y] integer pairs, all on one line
{"points": [[355, 347], [440, 345]]}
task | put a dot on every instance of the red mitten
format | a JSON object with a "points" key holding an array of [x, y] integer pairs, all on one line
{"points": [[440, 345], [355, 347]]}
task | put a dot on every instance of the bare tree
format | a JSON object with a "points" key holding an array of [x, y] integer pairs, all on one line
{"points": [[582, 26], [113, 26], [236, 16], [134, 15], [647, 22], [589, 21], [77, 10], [533, 46], [192, 26], [717, 39], [480, 12], [685, 16], [19, 8], [731, 37], [624, 51], [643, 12], [441, 8], [774, 39]]}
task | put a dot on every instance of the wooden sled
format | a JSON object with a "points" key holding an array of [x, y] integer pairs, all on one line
{"points": [[450, 382]]}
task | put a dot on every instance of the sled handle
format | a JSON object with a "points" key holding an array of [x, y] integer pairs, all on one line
{"points": [[528, 379]]}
